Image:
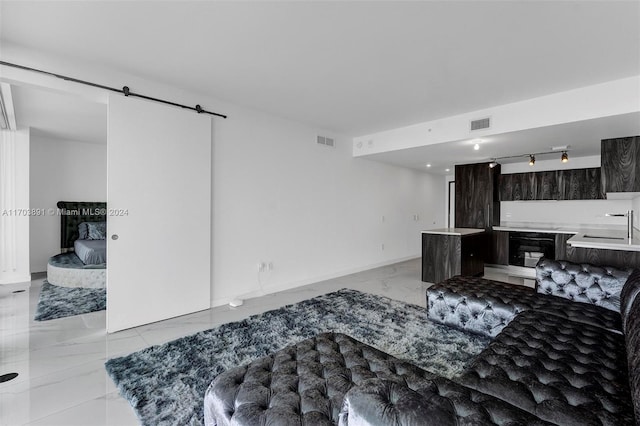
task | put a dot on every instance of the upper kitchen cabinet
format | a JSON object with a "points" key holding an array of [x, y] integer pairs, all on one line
{"points": [[529, 186], [621, 164], [580, 184], [477, 202], [574, 184]]}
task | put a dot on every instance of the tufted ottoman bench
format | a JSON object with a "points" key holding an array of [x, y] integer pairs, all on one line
{"points": [[334, 379], [485, 306]]}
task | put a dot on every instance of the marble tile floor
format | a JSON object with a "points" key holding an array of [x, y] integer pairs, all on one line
{"points": [[62, 380]]}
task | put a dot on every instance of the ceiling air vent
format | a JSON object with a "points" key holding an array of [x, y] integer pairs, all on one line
{"points": [[325, 140], [483, 123]]}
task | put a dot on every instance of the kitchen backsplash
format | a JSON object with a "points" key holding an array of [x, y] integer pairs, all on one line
{"points": [[587, 212]]}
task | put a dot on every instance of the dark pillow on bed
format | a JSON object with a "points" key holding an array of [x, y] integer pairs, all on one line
{"points": [[97, 230], [83, 231]]}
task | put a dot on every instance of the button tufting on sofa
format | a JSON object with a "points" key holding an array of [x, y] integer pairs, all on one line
{"points": [[553, 360], [396, 387]]}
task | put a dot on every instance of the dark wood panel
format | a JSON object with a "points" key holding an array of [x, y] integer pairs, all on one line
{"points": [[529, 186], [506, 190], [616, 258], [499, 248], [516, 187], [441, 257], [546, 186], [580, 184], [561, 246], [574, 184], [621, 164], [474, 248], [477, 201]]}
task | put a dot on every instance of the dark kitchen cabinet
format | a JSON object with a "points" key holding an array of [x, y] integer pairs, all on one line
{"points": [[500, 248], [477, 200], [500, 253], [580, 184], [621, 164], [574, 184], [616, 258], [441, 257], [510, 187], [562, 246], [444, 256], [545, 185], [528, 186], [473, 251]]}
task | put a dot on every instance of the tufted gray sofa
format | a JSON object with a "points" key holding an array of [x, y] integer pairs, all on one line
{"points": [[485, 306], [562, 351], [566, 353]]}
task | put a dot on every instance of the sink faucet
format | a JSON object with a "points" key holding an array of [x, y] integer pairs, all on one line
{"points": [[629, 216]]}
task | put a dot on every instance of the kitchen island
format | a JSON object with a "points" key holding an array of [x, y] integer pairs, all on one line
{"points": [[447, 252]]}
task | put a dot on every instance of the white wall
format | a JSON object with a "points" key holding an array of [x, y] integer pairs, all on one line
{"points": [[314, 212], [14, 206], [582, 212], [554, 163], [447, 180], [61, 171]]}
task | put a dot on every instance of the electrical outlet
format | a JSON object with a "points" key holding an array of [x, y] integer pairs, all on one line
{"points": [[270, 266], [261, 266]]}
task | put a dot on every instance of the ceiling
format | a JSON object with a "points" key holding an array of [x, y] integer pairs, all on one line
{"points": [[582, 138], [353, 68], [55, 115]]}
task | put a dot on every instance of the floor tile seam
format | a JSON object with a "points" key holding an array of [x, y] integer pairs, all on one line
{"points": [[40, 419], [18, 381]]}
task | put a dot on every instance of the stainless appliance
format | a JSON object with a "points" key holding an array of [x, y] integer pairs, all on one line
{"points": [[526, 248]]}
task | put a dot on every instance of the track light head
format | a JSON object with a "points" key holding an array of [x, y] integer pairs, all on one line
{"points": [[493, 164], [565, 157], [532, 160]]}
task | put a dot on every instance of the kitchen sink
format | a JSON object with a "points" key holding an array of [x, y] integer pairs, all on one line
{"points": [[606, 238]]}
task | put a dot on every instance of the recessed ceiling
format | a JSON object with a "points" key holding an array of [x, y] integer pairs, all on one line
{"points": [[350, 67], [583, 137]]}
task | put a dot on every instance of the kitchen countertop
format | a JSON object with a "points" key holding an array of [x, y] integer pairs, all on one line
{"points": [[608, 240], [454, 231], [612, 237], [555, 228]]}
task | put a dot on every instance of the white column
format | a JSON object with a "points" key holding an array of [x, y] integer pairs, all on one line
{"points": [[14, 207]]}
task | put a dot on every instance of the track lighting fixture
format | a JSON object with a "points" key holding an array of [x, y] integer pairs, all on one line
{"points": [[532, 157]]}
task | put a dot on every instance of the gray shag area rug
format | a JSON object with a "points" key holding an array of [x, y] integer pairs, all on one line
{"points": [[59, 302], [166, 384]]}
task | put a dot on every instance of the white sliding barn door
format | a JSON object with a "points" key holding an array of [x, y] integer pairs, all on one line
{"points": [[159, 202]]}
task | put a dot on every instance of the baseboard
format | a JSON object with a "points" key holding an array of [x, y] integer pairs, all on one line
{"points": [[320, 278]]}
